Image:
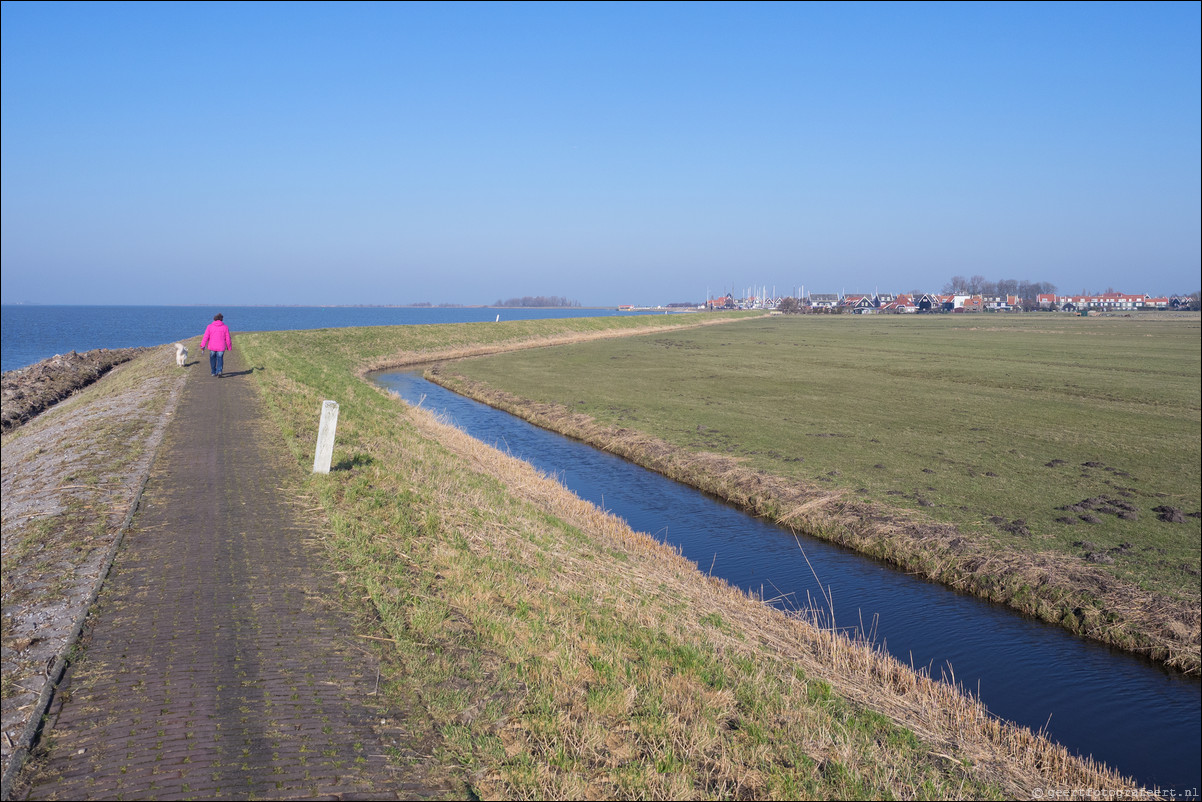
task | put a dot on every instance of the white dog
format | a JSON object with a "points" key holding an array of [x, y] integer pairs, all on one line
{"points": [[181, 354]]}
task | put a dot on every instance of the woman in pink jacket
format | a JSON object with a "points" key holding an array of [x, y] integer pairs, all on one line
{"points": [[217, 340]]}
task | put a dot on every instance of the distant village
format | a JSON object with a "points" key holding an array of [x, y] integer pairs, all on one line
{"points": [[916, 303]]}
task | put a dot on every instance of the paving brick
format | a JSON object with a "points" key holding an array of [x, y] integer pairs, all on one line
{"points": [[214, 664]]}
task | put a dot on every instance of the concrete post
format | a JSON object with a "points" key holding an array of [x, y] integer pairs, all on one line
{"points": [[325, 437]]}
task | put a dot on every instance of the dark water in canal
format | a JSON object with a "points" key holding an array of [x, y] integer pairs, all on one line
{"points": [[1126, 711]]}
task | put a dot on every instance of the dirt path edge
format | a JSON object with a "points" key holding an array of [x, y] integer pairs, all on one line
{"points": [[33, 727]]}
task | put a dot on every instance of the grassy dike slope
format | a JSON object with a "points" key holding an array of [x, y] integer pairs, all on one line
{"points": [[1047, 462], [562, 655]]}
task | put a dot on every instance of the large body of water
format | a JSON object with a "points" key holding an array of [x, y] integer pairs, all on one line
{"points": [[1124, 710], [33, 333]]}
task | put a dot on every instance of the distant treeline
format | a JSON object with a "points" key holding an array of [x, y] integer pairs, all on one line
{"points": [[538, 300], [979, 285]]}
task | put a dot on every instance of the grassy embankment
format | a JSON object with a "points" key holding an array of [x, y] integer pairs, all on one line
{"points": [[563, 655], [1032, 460]]}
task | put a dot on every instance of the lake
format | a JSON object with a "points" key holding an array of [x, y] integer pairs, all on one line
{"points": [[31, 333]]}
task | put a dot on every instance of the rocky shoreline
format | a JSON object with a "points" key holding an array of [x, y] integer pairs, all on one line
{"points": [[32, 390]]}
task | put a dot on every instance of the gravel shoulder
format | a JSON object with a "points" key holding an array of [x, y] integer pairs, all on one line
{"points": [[70, 479]]}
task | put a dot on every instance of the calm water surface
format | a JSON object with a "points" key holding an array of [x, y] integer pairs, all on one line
{"points": [[1123, 710], [32, 333]]}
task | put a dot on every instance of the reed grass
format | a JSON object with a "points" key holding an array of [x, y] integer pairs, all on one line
{"points": [[562, 655]]}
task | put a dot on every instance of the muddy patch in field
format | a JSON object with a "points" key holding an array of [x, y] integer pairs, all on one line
{"points": [[1085, 509], [1093, 553], [1169, 514], [1122, 508], [1018, 526]]}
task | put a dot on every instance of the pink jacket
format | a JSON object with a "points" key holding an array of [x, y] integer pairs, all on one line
{"points": [[217, 337]]}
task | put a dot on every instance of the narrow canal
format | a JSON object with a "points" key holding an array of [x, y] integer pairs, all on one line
{"points": [[1126, 711]]}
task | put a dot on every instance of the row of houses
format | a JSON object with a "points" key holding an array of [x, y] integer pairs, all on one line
{"points": [[887, 303], [1111, 301], [935, 302], [909, 303]]}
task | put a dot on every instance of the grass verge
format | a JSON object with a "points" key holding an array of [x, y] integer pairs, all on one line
{"points": [[564, 656]]}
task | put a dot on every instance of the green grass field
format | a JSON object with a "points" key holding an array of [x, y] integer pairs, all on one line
{"points": [[557, 654], [1037, 432]]}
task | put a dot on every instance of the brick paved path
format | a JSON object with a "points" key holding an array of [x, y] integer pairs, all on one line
{"points": [[214, 664]]}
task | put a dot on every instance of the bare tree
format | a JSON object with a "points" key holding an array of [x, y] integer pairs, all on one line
{"points": [[957, 285]]}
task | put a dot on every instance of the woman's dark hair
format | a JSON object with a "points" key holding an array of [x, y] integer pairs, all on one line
{"points": [[218, 316]]}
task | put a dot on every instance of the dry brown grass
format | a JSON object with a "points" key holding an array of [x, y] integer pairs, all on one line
{"points": [[957, 727], [1051, 586]]}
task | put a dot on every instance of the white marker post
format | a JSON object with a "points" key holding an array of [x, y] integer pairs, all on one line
{"points": [[325, 437]]}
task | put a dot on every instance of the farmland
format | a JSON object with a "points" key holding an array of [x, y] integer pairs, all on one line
{"points": [[1070, 442]]}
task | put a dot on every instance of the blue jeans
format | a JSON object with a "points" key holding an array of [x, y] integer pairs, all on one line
{"points": [[216, 358]]}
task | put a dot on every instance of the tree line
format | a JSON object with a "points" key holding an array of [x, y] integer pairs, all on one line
{"points": [[538, 300], [979, 285]]}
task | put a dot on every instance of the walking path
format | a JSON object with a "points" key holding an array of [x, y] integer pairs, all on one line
{"points": [[217, 662]]}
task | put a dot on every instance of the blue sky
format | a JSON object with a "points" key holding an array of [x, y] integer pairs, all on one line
{"points": [[608, 153]]}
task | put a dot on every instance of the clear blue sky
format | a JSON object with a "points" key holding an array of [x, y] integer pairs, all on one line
{"points": [[609, 153]]}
